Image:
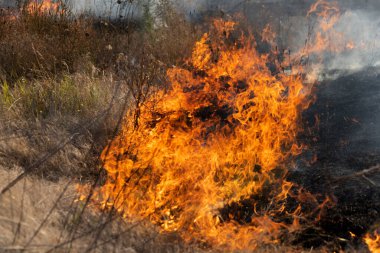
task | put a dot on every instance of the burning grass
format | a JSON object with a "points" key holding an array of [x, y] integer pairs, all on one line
{"points": [[192, 159], [203, 151], [209, 158]]}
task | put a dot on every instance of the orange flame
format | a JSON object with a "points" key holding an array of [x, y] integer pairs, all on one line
{"points": [[44, 6], [326, 38], [323, 38], [222, 134], [373, 242], [350, 45]]}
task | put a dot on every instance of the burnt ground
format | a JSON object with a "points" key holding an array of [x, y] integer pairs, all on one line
{"points": [[345, 143], [342, 163]]}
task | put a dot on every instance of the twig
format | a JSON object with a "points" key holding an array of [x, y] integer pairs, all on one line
{"points": [[362, 174], [18, 229], [89, 232], [48, 215], [107, 150], [35, 165]]}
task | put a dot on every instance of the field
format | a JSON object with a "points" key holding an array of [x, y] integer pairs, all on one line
{"points": [[102, 118]]}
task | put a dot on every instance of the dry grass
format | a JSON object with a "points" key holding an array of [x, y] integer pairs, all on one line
{"points": [[47, 45], [41, 216], [34, 221], [64, 73], [65, 83], [39, 115], [24, 207], [51, 44]]}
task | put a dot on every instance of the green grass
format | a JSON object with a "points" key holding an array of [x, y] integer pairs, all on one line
{"points": [[69, 95]]}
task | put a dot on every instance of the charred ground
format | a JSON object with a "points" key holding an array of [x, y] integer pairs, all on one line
{"points": [[346, 145]]}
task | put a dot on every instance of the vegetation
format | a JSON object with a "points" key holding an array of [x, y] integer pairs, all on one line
{"points": [[65, 83]]}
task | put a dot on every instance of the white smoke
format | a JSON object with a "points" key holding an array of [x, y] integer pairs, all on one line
{"points": [[108, 8], [355, 38], [359, 25], [363, 29]]}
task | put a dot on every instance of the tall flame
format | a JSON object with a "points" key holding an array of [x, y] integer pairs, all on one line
{"points": [[222, 134], [209, 157]]}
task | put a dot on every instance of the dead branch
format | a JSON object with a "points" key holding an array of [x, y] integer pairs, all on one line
{"points": [[363, 174]]}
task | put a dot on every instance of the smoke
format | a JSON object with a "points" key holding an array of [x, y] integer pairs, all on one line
{"points": [[107, 8], [359, 24], [353, 44], [362, 29], [348, 102], [355, 36], [356, 32], [8, 4]]}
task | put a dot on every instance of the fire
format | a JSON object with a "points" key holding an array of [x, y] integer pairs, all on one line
{"points": [[209, 157], [44, 6], [373, 242], [324, 40], [326, 37], [268, 35], [222, 134], [350, 45]]}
